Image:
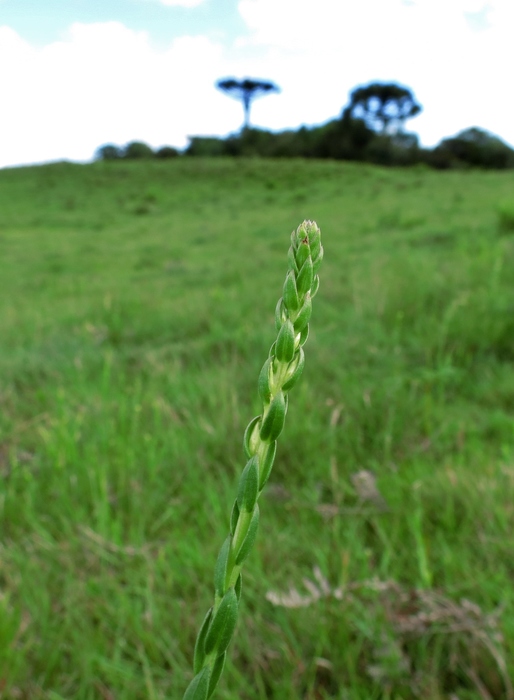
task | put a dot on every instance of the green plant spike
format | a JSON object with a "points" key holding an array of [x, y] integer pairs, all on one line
{"points": [[279, 374]]}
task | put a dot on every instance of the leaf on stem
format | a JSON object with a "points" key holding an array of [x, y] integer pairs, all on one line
{"points": [[199, 687], [223, 624], [249, 540], [220, 570], [273, 423], [249, 485]]}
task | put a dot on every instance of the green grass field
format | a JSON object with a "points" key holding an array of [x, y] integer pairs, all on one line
{"points": [[136, 310]]}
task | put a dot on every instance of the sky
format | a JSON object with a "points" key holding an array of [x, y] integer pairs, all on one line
{"points": [[77, 74]]}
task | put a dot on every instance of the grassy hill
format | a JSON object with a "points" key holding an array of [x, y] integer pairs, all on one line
{"points": [[136, 310]]}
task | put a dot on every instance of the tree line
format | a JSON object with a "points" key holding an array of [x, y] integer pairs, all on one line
{"points": [[370, 129]]}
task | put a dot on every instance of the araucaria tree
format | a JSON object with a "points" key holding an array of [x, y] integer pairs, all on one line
{"points": [[246, 90], [384, 107]]}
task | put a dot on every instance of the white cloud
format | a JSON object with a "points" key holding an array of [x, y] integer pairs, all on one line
{"points": [[105, 83]]}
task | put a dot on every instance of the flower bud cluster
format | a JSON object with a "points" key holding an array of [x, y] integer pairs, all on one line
{"points": [[279, 374]]}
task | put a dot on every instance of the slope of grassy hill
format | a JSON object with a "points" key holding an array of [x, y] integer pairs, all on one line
{"points": [[136, 309]]}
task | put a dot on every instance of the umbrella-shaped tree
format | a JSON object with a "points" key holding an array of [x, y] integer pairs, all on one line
{"points": [[246, 90], [382, 106]]}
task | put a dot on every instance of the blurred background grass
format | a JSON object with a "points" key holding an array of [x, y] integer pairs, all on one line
{"points": [[136, 310]]}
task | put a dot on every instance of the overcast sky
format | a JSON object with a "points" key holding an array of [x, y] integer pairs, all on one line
{"points": [[77, 74]]}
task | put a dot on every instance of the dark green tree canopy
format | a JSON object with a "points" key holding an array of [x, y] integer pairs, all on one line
{"points": [[383, 107], [108, 152], [474, 147], [246, 90], [137, 149]]}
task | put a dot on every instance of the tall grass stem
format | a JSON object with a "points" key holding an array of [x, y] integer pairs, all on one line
{"points": [[279, 374]]}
